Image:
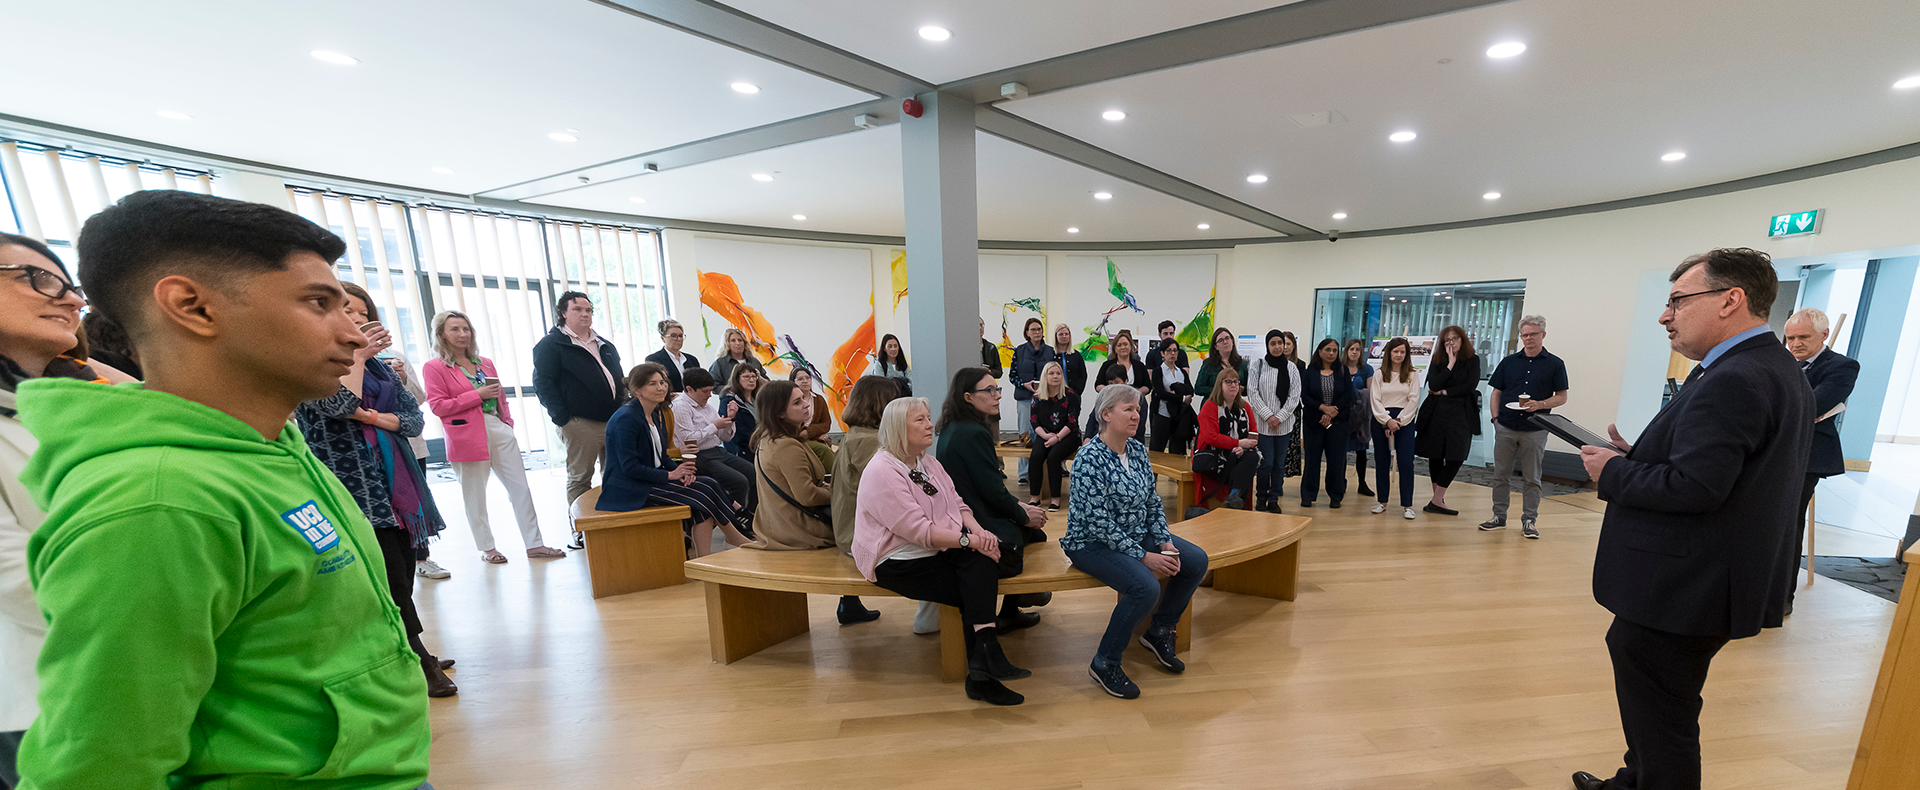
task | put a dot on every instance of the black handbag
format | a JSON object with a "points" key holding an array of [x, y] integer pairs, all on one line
{"points": [[1207, 461], [821, 513]]}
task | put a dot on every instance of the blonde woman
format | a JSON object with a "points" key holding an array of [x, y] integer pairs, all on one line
{"points": [[1054, 435], [463, 390], [734, 352]]}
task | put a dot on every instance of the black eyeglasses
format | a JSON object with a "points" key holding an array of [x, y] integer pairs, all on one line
{"points": [[46, 283], [916, 476], [1673, 302]]}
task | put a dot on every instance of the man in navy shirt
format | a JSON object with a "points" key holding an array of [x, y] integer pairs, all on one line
{"points": [[1537, 381]]}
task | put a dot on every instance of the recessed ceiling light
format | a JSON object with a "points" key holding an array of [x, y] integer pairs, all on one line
{"points": [[1674, 157], [1506, 49], [636, 200], [1402, 137], [1073, 230], [1203, 226], [562, 137], [935, 33], [174, 115], [1341, 215], [762, 177], [1256, 178], [800, 217], [1910, 82], [1116, 115], [1491, 196], [445, 171], [335, 58], [1103, 196], [745, 87]]}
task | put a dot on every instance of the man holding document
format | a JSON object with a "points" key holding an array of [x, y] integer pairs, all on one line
{"points": [[1700, 513]]}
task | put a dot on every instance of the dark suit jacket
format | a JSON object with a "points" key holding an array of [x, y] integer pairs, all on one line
{"points": [[676, 382], [1700, 516], [1831, 375], [1310, 400], [965, 450]]}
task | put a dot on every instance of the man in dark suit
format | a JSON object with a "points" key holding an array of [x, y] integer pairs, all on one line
{"points": [[1831, 375], [1700, 513]]}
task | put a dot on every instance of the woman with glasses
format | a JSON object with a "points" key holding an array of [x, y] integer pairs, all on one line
{"points": [[742, 389], [967, 425], [1227, 433], [1449, 418], [1222, 354], [670, 358], [1117, 533], [915, 535]]}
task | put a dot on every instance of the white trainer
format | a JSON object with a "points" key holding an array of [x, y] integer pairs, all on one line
{"points": [[1380, 508], [428, 569], [1408, 514]]}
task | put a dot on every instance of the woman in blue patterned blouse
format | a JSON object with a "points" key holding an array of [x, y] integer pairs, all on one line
{"points": [[1117, 533]]}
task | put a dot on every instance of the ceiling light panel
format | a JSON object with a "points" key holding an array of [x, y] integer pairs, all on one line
{"points": [[1114, 115], [335, 58], [746, 88], [935, 33], [1506, 49]]}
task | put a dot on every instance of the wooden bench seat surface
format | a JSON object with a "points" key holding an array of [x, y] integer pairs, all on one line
{"points": [[1177, 467], [587, 518]]}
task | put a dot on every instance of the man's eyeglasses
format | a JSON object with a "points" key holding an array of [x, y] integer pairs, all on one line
{"points": [[917, 477], [45, 282], [1673, 302]]}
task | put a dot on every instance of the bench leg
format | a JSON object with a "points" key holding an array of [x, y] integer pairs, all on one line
{"points": [[1275, 575], [640, 557], [1183, 501], [953, 645], [742, 621]]}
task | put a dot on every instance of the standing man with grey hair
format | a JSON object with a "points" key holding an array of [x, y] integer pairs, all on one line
{"points": [[1528, 381], [1699, 513], [1832, 375]]}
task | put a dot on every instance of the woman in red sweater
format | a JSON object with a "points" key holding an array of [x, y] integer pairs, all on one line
{"points": [[1227, 433]]}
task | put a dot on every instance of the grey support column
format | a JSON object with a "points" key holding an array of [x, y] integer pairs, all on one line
{"points": [[943, 240]]}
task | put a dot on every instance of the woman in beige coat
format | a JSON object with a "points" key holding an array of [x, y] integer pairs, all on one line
{"points": [[792, 481]]}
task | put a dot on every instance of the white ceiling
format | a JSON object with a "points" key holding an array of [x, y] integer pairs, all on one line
{"points": [[1745, 87], [988, 35], [851, 183]]}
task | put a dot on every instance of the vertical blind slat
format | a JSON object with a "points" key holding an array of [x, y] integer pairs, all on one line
{"points": [[21, 195], [63, 194]]}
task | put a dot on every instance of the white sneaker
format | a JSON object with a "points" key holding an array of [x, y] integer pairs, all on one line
{"points": [[428, 569], [1408, 514], [927, 619], [1380, 508]]}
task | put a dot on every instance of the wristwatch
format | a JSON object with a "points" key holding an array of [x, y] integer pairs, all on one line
{"points": [[966, 539]]}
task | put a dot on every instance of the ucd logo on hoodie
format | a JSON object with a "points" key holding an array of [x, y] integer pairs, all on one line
{"points": [[306, 519]]}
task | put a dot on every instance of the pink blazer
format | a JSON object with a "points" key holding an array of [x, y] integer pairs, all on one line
{"points": [[454, 400]]}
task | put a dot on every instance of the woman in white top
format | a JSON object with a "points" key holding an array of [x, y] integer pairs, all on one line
{"points": [[1395, 395], [1273, 389]]}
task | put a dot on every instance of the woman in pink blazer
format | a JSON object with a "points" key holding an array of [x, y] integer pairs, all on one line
{"points": [[464, 392]]}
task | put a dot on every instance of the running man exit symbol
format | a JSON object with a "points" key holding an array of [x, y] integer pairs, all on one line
{"points": [[1797, 224]]}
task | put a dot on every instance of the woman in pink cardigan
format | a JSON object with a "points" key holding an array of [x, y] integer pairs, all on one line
{"points": [[464, 392], [913, 535]]}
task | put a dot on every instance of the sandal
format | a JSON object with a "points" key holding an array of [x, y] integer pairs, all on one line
{"points": [[545, 551], [493, 556]]}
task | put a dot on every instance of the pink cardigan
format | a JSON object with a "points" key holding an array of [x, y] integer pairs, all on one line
{"points": [[895, 512], [454, 400]]}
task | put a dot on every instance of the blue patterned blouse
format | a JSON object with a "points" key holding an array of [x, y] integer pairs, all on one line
{"points": [[1114, 506]]}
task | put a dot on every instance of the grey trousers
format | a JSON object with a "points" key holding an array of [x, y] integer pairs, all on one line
{"points": [[1528, 448], [1025, 410], [586, 442]]}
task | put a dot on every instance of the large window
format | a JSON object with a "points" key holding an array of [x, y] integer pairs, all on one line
{"points": [[51, 191]]}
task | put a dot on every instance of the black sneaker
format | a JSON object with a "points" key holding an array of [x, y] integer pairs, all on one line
{"points": [[579, 541], [1527, 529], [1497, 522], [1161, 644], [1113, 681]]}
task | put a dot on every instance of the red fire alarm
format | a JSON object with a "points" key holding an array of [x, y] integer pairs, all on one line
{"points": [[912, 107]]}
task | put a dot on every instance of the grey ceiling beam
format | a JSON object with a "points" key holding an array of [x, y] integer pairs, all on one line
{"points": [[745, 141], [1013, 128], [758, 37], [1274, 27]]}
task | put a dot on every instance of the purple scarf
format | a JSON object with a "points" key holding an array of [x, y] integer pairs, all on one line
{"points": [[379, 391]]}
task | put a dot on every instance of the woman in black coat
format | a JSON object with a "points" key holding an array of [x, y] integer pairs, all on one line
{"points": [[1122, 365], [1326, 395], [1450, 414]]}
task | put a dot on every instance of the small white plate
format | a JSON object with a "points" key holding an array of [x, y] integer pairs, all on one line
{"points": [[1514, 406]]}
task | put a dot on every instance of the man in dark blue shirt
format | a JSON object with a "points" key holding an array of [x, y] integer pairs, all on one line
{"points": [[1535, 381]]}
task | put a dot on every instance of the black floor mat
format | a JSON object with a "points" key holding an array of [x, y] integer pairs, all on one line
{"points": [[1880, 576]]}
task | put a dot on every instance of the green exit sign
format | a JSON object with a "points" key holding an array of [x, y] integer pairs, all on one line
{"points": [[1801, 224]]}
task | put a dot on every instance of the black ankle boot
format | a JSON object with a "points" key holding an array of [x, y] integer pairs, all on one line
{"points": [[982, 686], [852, 611], [987, 647], [438, 684]]}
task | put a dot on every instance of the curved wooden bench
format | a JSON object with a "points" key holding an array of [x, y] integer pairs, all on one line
{"points": [[758, 599], [633, 550], [1179, 469]]}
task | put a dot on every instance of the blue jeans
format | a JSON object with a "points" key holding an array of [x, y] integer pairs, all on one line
{"points": [[1389, 453], [1138, 587], [1272, 472]]}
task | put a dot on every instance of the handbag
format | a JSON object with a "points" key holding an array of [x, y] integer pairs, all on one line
{"points": [[821, 513], [1207, 461]]}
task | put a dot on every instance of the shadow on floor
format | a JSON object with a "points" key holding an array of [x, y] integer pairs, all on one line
{"points": [[1880, 576]]}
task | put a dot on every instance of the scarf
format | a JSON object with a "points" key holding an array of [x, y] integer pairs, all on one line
{"points": [[62, 367], [1281, 388], [379, 391]]}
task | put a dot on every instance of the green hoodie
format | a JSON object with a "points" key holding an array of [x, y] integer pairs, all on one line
{"points": [[217, 611]]}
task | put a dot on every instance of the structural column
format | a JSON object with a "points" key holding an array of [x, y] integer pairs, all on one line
{"points": [[943, 240]]}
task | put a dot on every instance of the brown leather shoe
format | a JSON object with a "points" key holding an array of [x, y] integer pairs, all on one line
{"points": [[438, 684]]}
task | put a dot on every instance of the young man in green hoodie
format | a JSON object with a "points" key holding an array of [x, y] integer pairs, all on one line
{"points": [[216, 604]]}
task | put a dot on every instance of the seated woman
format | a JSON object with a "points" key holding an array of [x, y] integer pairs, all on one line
{"points": [[869, 398], [794, 494], [742, 387], [640, 472], [1117, 533], [892, 364], [913, 535], [1055, 437], [967, 425], [1227, 433], [814, 434]]}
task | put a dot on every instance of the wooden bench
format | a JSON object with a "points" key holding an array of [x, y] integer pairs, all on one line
{"points": [[634, 550], [758, 599], [1179, 469]]}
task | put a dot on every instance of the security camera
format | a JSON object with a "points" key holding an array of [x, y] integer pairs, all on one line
{"points": [[1333, 235]]}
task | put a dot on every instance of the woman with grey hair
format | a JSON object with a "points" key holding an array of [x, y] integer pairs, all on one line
{"points": [[913, 535], [1117, 533]]}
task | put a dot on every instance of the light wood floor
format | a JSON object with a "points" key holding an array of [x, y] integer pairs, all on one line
{"points": [[1420, 654]]}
